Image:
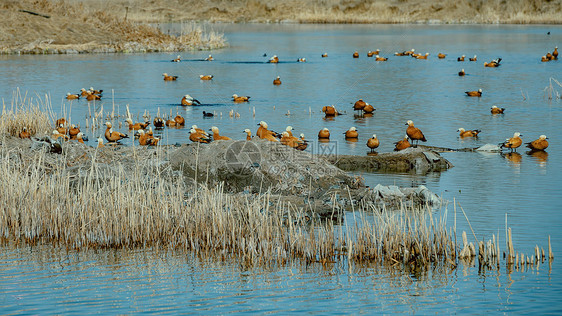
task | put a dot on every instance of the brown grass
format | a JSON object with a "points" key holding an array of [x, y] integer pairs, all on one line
{"points": [[34, 113], [76, 28], [340, 11], [87, 198]]}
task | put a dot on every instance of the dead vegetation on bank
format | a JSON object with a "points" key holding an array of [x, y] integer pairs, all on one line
{"points": [[339, 11], [51, 27], [87, 198]]}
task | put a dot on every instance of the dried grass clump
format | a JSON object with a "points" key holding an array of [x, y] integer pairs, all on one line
{"points": [[33, 113], [70, 27]]}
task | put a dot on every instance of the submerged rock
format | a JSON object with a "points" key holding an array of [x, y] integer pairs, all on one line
{"points": [[489, 148], [417, 160]]}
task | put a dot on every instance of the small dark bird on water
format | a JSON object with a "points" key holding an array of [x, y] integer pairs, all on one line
{"points": [[548, 33], [264, 55], [207, 114]]}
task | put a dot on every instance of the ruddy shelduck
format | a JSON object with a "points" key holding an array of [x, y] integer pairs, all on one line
{"points": [[472, 58], [274, 59], [80, 137], [113, 136], [422, 56], [469, 133], [199, 130], [277, 81], [198, 137], [461, 58], [158, 122], [330, 110], [493, 63], [495, 110], [216, 135], [289, 130], [60, 121], [57, 135], [462, 73], [92, 97], [368, 108], [61, 129], [359, 105], [513, 143], [544, 59], [351, 133], [94, 91], [379, 58], [264, 133], [206, 77], [209, 58], [240, 98], [24, 133], [301, 60], [70, 96], [73, 131], [169, 78], [402, 144], [179, 120], [555, 53], [303, 144], [373, 142], [474, 93], [324, 133], [136, 126], [290, 141], [177, 59], [441, 55], [248, 134], [189, 100], [324, 55], [356, 54], [171, 123], [539, 144], [414, 133]]}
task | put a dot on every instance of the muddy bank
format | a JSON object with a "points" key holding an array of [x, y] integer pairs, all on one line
{"points": [[338, 11], [59, 27], [419, 160], [241, 168]]}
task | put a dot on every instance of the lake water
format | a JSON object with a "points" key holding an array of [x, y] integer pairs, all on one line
{"points": [[41, 280]]}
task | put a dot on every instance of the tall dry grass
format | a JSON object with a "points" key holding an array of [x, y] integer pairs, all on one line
{"points": [[34, 113], [88, 198]]}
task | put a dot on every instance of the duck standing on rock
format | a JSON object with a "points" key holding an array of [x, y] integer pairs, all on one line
{"points": [[402, 144], [414, 133], [513, 143]]}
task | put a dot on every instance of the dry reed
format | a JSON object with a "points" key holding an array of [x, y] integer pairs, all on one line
{"points": [[24, 111], [87, 198]]}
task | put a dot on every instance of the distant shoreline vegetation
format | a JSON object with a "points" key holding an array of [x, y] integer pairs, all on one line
{"points": [[339, 11], [49, 27]]}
